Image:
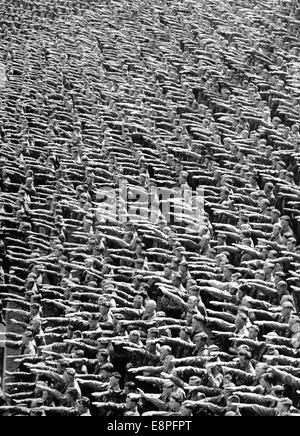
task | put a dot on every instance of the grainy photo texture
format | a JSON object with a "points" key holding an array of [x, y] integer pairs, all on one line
{"points": [[149, 210]]}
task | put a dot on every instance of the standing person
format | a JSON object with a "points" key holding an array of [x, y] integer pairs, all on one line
{"points": [[83, 407], [28, 347]]}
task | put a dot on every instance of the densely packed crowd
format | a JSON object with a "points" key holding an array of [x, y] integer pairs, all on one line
{"points": [[149, 316]]}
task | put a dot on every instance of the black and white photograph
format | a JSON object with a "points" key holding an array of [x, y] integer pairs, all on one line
{"points": [[149, 211]]}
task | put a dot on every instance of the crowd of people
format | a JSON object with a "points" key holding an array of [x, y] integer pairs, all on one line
{"points": [[149, 316]]}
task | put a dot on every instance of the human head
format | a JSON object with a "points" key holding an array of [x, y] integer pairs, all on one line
{"points": [[83, 405]]}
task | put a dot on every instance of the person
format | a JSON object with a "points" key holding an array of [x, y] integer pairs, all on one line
{"points": [[105, 313], [150, 311], [245, 362], [197, 325], [241, 325], [149, 210], [114, 382], [28, 346], [283, 409], [70, 382], [3, 401], [83, 407], [132, 402], [287, 309]]}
